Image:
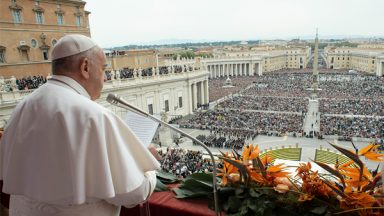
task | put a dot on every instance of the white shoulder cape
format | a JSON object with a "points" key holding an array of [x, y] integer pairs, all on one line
{"points": [[61, 147]]}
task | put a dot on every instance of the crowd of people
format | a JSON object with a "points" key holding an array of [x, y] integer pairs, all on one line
{"points": [[127, 73], [355, 95], [352, 106], [25, 83], [248, 102], [182, 163], [258, 122], [30, 82], [222, 141], [216, 90], [332, 85], [352, 126]]}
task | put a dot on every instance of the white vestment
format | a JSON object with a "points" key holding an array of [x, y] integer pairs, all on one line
{"points": [[63, 151]]}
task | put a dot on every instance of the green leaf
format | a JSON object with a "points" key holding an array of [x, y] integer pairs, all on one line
{"points": [[160, 186], [185, 193], [255, 193], [234, 203], [319, 210], [193, 184], [206, 178], [166, 178], [239, 191]]}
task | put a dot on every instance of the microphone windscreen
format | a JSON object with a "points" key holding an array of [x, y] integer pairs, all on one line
{"points": [[111, 98]]}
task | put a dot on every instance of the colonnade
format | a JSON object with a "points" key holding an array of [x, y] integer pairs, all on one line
{"points": [[234, 69], [380, 67], [198, 94]]}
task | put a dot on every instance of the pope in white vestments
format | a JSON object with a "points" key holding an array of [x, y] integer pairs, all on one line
{"points": [[64, 154]]}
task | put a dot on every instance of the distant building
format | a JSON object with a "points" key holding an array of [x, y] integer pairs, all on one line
{"points": [[366, 58], [120, 59], [29, 29]]}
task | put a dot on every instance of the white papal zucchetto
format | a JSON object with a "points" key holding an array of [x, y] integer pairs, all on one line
{"points": [[72, 44]]}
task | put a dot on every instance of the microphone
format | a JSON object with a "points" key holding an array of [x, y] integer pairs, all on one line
{"points": [[118, 101]]}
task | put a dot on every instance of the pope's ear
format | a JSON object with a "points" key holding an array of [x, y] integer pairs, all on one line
{"points": [[84, 68]]}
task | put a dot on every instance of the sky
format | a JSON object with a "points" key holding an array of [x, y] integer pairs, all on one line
{"points": [[126, 22]]}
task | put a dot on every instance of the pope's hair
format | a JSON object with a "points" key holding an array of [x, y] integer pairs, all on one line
{"points": [[71, 64]]}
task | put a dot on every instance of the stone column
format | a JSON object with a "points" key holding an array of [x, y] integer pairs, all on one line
{"points": [[194, 96], [206, 92], [234, 69], [221, 70], [209, 72], [260, 71], [251, 72], [246, 69], [379, 67], [241, 69], [202, 92], [190, 100], [216, 73]]}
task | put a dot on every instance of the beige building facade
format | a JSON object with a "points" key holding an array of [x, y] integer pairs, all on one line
{"points": [[30, 28], [366, 58], [118, 60], [256, 60]]}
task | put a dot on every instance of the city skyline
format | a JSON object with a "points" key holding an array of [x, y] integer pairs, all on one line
{"points": [[153, 21]]}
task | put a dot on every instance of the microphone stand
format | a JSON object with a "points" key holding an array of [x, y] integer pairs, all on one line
{"points": [[118, 101]]}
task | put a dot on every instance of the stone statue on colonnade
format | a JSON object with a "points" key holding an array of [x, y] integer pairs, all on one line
{"points": [[112, 75], [2, 84], [135, 73], [117, 72], [13, 83]]}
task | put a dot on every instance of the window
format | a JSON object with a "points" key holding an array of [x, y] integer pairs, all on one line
{"points": [[2, 55], [166, 106], [150, 109], [78, 20], [39, 17], [33, 43], [16, 16], [60, 19], [180, 102], [24, 55], [45, 54]]}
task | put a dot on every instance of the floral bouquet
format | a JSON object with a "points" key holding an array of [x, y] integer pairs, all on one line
{"points": [[250, 184]]}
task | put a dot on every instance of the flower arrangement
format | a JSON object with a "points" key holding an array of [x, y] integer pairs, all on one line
{"points": [[252, 185]]}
